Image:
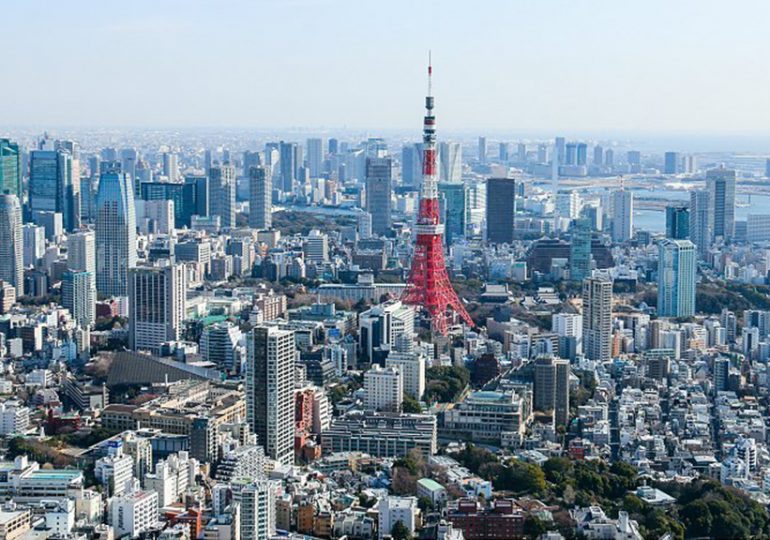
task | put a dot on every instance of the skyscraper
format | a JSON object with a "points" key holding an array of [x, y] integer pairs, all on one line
{"points": [[503, 152], [598, 156], [501, 210], [81, 251], [721, 187], [10, 168], [677, 221], [260, 198], [671, 163], [51, 186], [315, 157], [11, 243], [409, 169], [78, 295], [289, 163], [170, 167], [677, 264], [551, 392], [454, 210], [701, 220], [222, 194], [378, 193], [270, 391], [580, 250], [597, 318], [622, 216], [156, 305], [115, 234], [450, 162], [482, 149]]}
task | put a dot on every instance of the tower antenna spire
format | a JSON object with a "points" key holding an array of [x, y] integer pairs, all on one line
{"points": [[430, 74]]}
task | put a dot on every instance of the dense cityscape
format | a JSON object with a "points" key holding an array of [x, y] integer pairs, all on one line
{"points": [[352, 334]]}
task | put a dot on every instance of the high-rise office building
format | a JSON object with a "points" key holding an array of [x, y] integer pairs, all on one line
{"points": [[634, 159], [222, 194], [482, 150], [410, 160], [502, 154], [78, 295], [455, 208], [378, 193], [622, 215], [598, 155], [609, 157], [81, 252], [559, 151], [170, 166], [250, 159], [156, 305], [521, 153], [551, 392], [11, 243], [581, 157], [580, 249], [570, 157], [678, 222], [767, 168], [450, 158], [677, 265], [672, 163], [315, 157], [51, 186], [260, 198], [288, 163], [597, 318], [270, 390], [115, 234], [701, 220], [184, 195], [501, 210], [721, 187], [34, 244], [10, 168]]}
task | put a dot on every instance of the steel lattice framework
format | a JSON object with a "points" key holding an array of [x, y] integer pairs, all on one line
{"points": [[428, 286]]}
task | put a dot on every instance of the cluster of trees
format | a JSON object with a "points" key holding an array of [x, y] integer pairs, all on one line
{"points": [[445, 384], [703, 508], [708, 509], [518, 477]]}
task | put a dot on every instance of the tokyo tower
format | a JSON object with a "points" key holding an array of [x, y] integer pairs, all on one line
{"points": [[428, 286]]}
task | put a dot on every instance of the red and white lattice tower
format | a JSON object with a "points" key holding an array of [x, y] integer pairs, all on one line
{"points": [[428, 286]]}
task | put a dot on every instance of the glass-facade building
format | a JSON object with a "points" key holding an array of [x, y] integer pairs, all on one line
{"points": [[454, 210], [115, 234], [677, 262], [10, 168]]}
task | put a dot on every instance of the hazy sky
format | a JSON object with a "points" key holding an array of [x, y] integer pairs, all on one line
{"points": [[508, 65]]}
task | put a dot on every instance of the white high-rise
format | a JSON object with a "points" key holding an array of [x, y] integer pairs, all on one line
{"points": [[11, 243], [222, 194], [411, 363], [81, 251], [156, 304], [270, 390], [34, 244], [260, 198], [450, 162], [257, 508], [78, 294], [677, 265], [115, 234], [384, 389]]}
